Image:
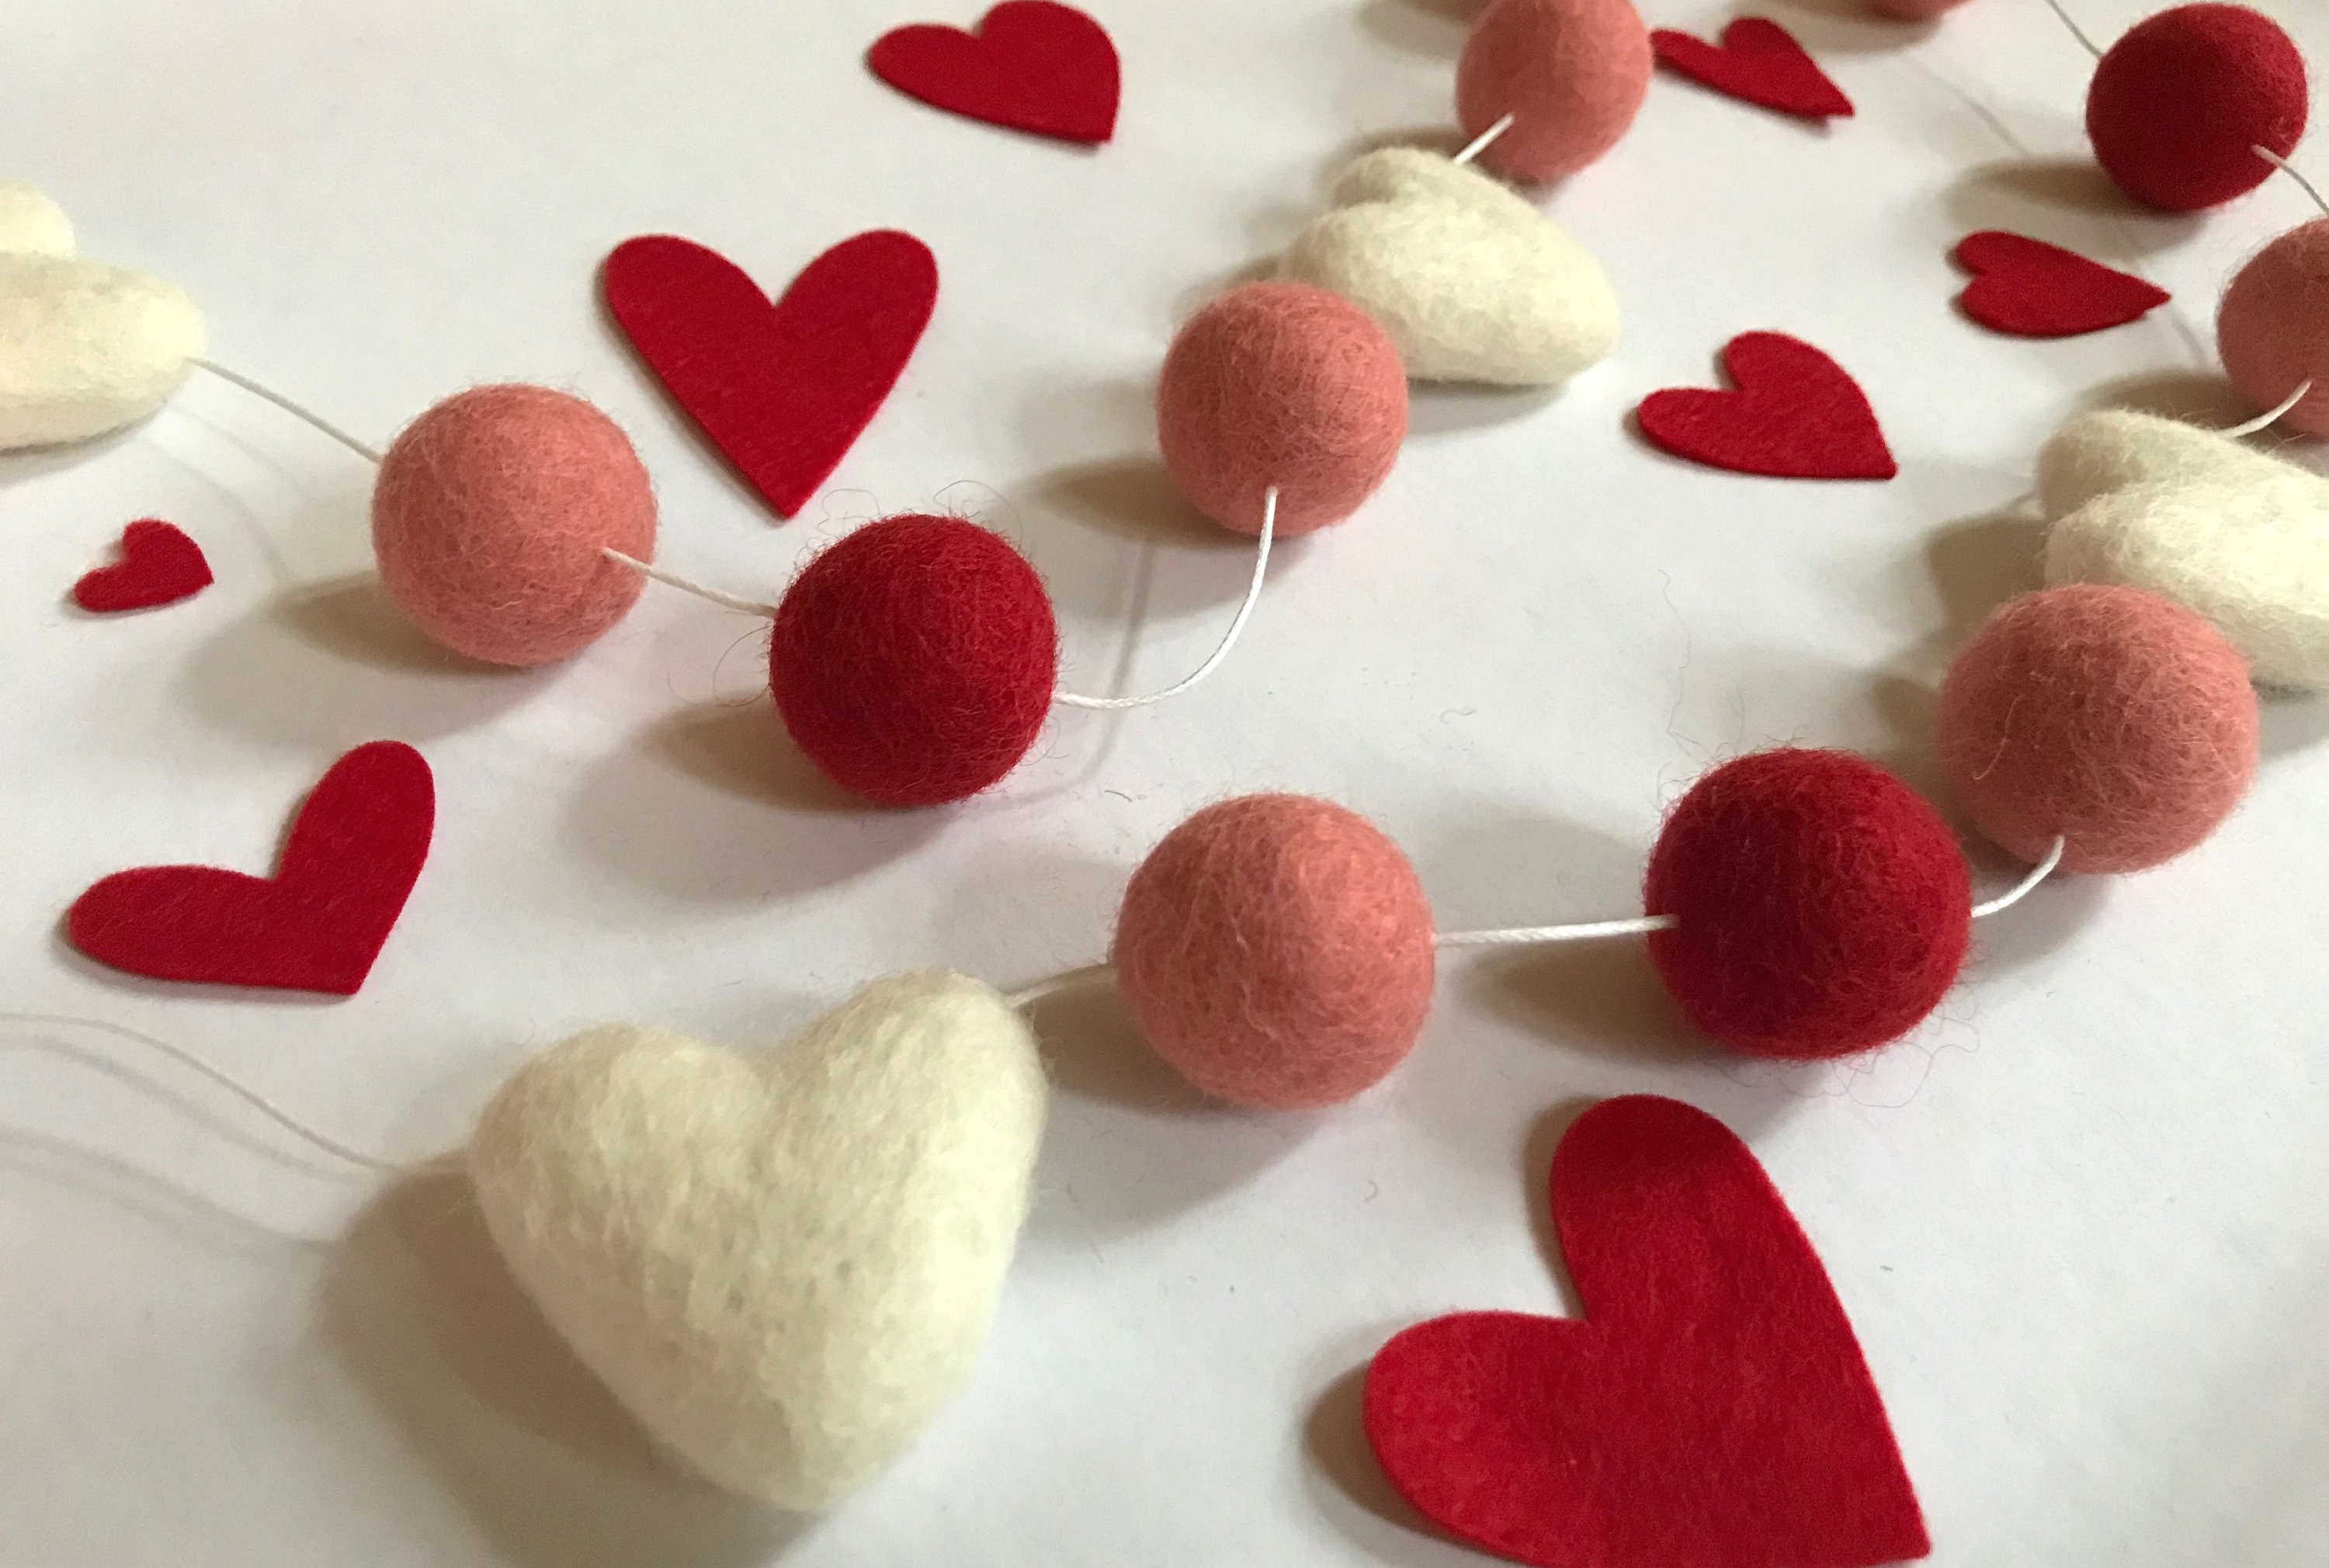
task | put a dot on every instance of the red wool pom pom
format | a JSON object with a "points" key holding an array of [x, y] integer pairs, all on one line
{"points": [[914, 661], [2179, 104], [1822, 906]]}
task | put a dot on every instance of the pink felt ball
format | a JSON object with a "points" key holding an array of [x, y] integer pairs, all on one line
{"points": [[2122, 722], [1276, 950], [2273, 328], [1571, 73], [2178, 105], [491, 513], [1281, 384]]}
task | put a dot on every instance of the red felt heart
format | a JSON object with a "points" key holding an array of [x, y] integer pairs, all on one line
{"points": [[1759, 62], [1033, 66], [1795, 415], [2032, 289], [1710, 1410], [318, 925], [783, 389], [159, 565]]}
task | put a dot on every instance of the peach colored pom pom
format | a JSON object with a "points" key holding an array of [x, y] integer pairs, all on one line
{"points": [[2272, 329], [2107, 714], [1281, 384], [489, 517], [1571, 73], [1277, 951]]}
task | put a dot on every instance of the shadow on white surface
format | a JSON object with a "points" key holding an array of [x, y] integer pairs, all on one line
{"points": [[1351, 1494], [419, 1308], [1433, 28], [2019, 194]]}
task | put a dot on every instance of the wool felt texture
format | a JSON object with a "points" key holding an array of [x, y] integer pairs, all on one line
{"points": [[2235, 534], [31, 224], [159, 565], [2028, 288], [1032, 66], [1285, 385], [1712, 1408], [354, 851], [914, 661], [1758, 62], [1472, 282], [783, 1264], [783, 389], [490, 516], [2107, 714], [1277, 951], [1571, 73], [85, 349], [1794, 414], [2272, 328], [1822, 908], [2178, 102]]}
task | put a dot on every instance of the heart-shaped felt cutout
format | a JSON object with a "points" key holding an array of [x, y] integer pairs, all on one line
{"points": [[1471, 282], [2032, 289], [159, 565], [1758, 61], [1710, 1410], [784, 390], [1795, 414], [784, 1264], [354, 853], [1031, 65]]}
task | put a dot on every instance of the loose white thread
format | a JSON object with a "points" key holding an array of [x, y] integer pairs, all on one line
{"points": [[2250, 427], [1245, 613], [1531, 935], [2076, 32], [686, 586], [2285, 167], [249, 1096], [290, 407], [1028, 996], [1479, 144], [2024, 889]]}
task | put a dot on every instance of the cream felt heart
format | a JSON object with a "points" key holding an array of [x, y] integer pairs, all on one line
{"points": [[1472, 282], [31, 223], [782, 1266], [2196, 517]]}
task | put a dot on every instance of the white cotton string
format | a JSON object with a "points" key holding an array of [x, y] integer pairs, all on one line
{"points": [[1479, 144], [1027, 996], [673, 579], [2285, 167], [1245, 613], [2076, 32], [2024, 889], [2262, 421], [192, 1062], [296, 410], [1532, 936]]}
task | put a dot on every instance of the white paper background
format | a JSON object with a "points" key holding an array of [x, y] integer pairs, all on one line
{"points": [[2078, 1217]]}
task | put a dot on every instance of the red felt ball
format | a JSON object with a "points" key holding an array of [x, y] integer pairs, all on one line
{"points": [[2179, 103], [1821, 906], [914, 661]]}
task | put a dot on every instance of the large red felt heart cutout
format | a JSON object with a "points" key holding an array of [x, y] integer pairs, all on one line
{"points": [[1758, 61], [2032, 289], [318, 925], [1710, 1410], [1032, 66], [159, 565], [1795, 415], [783, 389]]}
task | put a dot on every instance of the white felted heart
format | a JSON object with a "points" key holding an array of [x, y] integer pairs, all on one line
{"points": [[85, 349], [31, 223], [782, 1266], [2196, 517], [1472, 282]]}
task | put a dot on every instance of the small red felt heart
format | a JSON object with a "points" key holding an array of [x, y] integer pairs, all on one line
{"points": [[2032, 289], [785, 388], [318, 925], [1759, 62], [1795, 415], [159, 565], [1710, 1410], [1033, 66]]}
